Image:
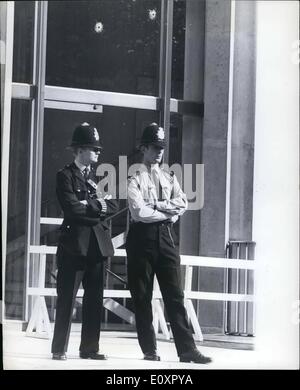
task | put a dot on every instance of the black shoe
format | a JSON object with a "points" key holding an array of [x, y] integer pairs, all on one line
{"points": [[59, 356], [152, 356], [92, 355], [195, 357]]}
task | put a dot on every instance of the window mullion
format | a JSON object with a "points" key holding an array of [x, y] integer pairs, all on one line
{"points": [[166, 68]]}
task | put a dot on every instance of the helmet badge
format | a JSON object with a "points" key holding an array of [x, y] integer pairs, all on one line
{"points": [[161, 134], [96, 135]]}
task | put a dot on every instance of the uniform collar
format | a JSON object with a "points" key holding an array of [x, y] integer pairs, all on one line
{"points": [[154, 168]]}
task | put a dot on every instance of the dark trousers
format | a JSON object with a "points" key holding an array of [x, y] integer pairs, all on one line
{"points": [[151, 250], [71, 272]]}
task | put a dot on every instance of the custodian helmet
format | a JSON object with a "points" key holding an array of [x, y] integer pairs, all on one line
{"points": [[86, 135]]}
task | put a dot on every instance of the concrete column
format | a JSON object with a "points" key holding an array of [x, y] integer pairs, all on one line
{"points": [[214, 154], [192, 125], [207, 51], [214, 146], [240, 185]]}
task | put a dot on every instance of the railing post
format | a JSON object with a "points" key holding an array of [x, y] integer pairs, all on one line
{"points": [[239, 316], [189, 304], [39, 319]]}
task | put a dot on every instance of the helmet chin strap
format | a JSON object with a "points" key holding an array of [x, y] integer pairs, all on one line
{"points": [[81, 160]]}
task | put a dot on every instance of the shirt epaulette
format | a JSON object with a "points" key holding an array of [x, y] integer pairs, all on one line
{"points": [[169, 175], [134, 178], [66, 166], [62, 169]]}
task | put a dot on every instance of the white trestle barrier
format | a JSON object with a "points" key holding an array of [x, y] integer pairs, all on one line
{"points": [[39, 320]]}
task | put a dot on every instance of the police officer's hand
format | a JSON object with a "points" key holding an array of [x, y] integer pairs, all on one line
{"points": [[173, 219], [170, 211], [84, 202], [105, 197]]}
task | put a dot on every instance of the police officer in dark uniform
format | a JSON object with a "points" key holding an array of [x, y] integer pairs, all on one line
{"points": [[155, 202], [84, 245]]}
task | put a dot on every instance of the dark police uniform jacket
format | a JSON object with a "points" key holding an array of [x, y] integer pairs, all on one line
{"points": [[80, 220]]}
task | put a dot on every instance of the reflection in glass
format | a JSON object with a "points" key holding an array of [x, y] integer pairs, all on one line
{"points": [[23, 41], [17, 209], [119, 129], [175, 153], [104, 45], [58, 130], [175, 143], [178, 45]]}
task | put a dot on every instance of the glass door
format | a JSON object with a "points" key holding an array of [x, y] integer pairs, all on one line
{"points": [[118, 65]]}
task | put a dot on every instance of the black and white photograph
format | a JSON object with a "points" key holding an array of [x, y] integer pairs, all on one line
{"points": [[150, 187]]}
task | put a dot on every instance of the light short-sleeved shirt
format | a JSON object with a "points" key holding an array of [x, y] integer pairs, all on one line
{"points": [[143, 198]]}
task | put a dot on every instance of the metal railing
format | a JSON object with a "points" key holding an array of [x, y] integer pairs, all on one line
{"points": [[239, 316], [39, 324], [110, 277]]}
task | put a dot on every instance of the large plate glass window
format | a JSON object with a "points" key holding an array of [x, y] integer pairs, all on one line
{"points": [[17, 215], [23, 41], [104, 45]]}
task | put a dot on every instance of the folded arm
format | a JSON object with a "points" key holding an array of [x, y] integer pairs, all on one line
{"points": [[74, 208], [68, 200], [104, 206], [177, 205], [142, 211]]}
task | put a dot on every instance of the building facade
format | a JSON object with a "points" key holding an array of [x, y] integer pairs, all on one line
{"points": [[188, 64]]}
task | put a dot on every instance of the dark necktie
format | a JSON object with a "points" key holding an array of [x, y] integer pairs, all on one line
{"points": [[157, 185], [86, 173]]}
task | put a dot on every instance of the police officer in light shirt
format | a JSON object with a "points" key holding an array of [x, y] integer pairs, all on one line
{"points": [[156, 201]]}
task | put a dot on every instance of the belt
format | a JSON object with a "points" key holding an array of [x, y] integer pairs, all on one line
{"points": [[143, 224]]}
